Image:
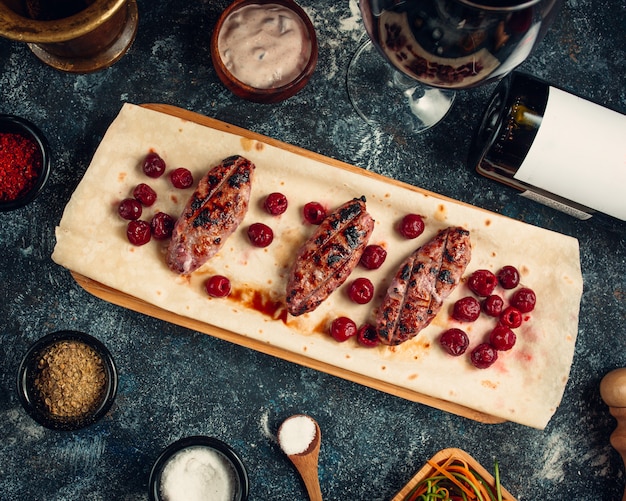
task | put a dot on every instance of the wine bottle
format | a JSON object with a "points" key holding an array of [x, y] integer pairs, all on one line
{"points": [[556, 148]]}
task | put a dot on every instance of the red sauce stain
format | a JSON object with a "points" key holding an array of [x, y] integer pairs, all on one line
{"points": [[260, 301], [322, 327], [122, 176]]}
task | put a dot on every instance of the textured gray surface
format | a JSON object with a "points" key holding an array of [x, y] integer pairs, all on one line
{"points": [[175, 382]]}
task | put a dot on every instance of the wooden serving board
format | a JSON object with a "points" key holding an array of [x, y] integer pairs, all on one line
{"points": [[441, 456], [525, 385], [122, 299]]}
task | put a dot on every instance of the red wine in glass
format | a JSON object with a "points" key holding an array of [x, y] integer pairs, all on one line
{"points": [[433, 48]]}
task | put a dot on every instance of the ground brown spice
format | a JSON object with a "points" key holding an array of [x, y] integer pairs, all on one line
{"points": [[71, 379]]}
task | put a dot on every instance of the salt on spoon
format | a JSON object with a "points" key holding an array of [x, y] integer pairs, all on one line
{"points": [[300, 438]]}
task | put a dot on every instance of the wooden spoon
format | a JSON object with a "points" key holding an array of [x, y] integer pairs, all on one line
{"points": [[613, 392], [300, 438]]}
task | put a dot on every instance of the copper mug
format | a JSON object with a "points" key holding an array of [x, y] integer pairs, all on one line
{"points": [[88, 40]]}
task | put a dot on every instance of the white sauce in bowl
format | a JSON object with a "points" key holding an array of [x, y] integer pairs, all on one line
{"points": [[264, 46], [198, 474]]}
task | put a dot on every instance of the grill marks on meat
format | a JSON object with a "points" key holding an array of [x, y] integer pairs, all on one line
{"points": [[422, 283], [328, 257], [212, 213]]}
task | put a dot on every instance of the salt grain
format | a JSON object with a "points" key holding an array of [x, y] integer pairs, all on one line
{"points": [[296, 434]]}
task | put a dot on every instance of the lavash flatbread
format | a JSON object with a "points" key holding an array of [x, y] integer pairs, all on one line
{"points": [[525, 385]]}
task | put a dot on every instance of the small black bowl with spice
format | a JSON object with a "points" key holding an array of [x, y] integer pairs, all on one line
{"points": [[67, 380], [24, 162]]}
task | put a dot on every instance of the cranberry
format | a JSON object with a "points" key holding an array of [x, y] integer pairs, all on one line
{"points": [[361, 290], [524, 300], [276, 204], [366, 335], [138, 232], [454, 341], [314, 212], [153, 165], [146, 195], [483, 356], [411, 226], [181, 178], [129, 209], [373, 257], [217, 286], [466, 309], [508, 276], [493, 305], [502, 338], [511, 317], [162, 225], [260, 234], [342, 328], [482, 282]]}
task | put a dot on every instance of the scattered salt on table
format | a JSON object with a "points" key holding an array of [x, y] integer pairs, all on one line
{"points": [[296, 434]]}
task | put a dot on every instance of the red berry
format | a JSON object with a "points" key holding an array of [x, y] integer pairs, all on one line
{"points": [[493, 305], [466, 309], [361, 290], [153, 165], [129, 209], [138, 232], [483, 356], [511, 317], [508, 276], [260, 234], [217, 286], [276, 204], [342, 329], [502, 338], [454, 341], [524, 300], [181, 178], [162, 225], [314, 212], [367, 336], [482, 282], [411, 226], [373, 257], [146, 195]]}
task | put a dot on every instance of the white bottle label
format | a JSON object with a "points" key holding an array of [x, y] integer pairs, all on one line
{"points": [[579, 154]]}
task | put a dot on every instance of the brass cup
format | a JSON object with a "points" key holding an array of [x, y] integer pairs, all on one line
{"points": [[91, 40]]}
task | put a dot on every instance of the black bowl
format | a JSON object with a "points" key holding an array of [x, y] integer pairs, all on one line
{"points": [[17, 125], [240, 475], [31, 399]]}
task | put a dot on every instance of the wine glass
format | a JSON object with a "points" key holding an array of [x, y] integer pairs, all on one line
{"points": [[436, 47]]}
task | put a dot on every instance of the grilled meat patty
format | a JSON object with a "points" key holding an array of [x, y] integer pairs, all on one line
{"points": [[422, 283], [328, 257], [212, 213]]}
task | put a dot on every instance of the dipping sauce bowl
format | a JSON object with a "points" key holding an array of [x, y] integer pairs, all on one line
{"points": [[264, 50], [24, 162], [67, 380], [198, 467]]}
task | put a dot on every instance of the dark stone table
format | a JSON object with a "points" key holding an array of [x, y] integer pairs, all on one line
{"points": [[175, 382]]}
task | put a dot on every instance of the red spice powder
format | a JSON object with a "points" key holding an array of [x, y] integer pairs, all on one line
{"points": [[20, 165]]}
